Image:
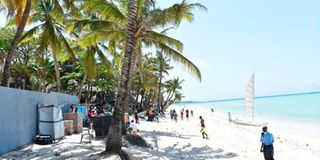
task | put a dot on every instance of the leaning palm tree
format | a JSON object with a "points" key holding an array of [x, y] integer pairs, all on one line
{"points": [[140, 26], [23, 10], [149, 21], [173, 88], [114, 140], [50, 32]]}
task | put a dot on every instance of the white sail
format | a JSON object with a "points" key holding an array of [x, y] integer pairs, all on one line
{"points": [[249, 104], [249, 99]]}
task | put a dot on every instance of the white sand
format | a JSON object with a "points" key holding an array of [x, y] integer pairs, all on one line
{"points": [[182, 140]]}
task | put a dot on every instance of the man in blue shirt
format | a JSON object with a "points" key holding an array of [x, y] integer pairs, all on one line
{"points": [[266, 140]]}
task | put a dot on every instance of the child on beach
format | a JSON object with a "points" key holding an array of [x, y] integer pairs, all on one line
{"points": [[202, 130]]}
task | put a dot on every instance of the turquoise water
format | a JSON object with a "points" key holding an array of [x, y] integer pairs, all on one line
{"points": [[291, 108]]}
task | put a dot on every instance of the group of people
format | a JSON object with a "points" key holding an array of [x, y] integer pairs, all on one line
{"points": [[266, 138], [174, 115], [152, 114]]}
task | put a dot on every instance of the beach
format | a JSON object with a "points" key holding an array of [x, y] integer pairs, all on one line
{"points": [[182, 140]]}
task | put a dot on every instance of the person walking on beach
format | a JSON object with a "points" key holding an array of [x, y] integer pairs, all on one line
{"points": [[136, 116], [187, 114], [181, 114], [175, 115], [202, 130], [266, 140], [191, 112], [229, 117]]}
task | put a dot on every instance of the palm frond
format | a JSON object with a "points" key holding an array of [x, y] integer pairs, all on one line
{"points": [[162, 38], [174, 14], [67, 46], [57, 12], [178, 57], [93, 24], [89, 65], [103, 58], [108, 10], [98, 36], [30, 33]]}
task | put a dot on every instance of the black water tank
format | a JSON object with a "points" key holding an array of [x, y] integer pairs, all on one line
{"points": [[101, 124]]}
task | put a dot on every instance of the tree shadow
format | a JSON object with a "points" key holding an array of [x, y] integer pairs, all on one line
{"points": [[60, 150], [167, 134], [185, 152], [176, 151]]}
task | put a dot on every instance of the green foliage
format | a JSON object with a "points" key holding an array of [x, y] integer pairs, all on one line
{"points": [[88, 39], [6, 36]]}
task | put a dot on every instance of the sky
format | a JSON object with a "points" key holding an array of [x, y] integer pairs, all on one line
{"points": [[279, 41]]}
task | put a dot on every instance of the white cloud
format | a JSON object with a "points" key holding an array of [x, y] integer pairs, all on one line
{"points": [[311, 82]]}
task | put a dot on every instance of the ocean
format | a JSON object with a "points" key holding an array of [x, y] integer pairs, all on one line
{"points": [[290, 111]]}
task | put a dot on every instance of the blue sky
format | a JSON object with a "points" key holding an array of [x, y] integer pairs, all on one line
{"points": [[278, 40]]}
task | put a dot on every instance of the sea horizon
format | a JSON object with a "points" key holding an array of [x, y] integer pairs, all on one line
{"points": [[256, 97], [294, 112]]}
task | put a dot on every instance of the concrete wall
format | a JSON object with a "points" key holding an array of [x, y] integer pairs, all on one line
{"points": [[18, 115]]}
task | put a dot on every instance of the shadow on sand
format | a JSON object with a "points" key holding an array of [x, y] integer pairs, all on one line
{"points": [[177, 151]]}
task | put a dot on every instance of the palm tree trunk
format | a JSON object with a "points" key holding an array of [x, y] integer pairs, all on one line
{"points": [[14, 44], [56, 68], [81, 86], [137, 97], [142, 98], [114, 139], [170, 95], [160, 82]]}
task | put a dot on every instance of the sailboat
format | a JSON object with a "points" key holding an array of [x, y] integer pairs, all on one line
{"points": [[249, 105]]}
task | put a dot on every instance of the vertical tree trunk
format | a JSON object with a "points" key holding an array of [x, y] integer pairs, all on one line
{"points": [[81, 86], [142, 98], [56, 69], [114, 139], [137, 97], [160, 82], [14, 44]]}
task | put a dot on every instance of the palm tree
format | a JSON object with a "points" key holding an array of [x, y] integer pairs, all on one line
{"points": [[114, 140], [50, 32], [145, 72], [142, 22], [24, 6], [163, 67], [173, 88], [148, 21]]}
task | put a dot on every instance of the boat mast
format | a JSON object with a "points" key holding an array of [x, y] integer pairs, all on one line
{"points": [[253, 97]]}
